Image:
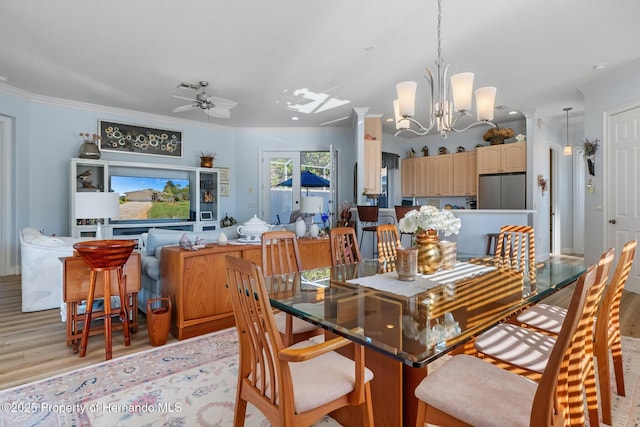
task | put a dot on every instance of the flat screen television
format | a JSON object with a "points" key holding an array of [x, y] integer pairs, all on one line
{"points": [[151, 199]]}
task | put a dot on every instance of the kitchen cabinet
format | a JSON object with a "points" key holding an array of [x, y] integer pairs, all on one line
{"points": [[439, 176], [413, 177], [372, 155], [502, 158], [465, 173]]}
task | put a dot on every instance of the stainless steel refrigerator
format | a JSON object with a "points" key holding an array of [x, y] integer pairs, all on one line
{"points": [[503, 191]]}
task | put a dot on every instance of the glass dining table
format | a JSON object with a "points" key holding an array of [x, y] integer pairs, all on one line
{"points": [[406, 325]]}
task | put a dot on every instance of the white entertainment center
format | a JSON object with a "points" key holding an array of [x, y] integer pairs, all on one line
{"points": [[89, 175]]}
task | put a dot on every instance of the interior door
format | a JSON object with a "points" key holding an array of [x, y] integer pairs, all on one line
{"points": [[624, 185], [279, 201]]}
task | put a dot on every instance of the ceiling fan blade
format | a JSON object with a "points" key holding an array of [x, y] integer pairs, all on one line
{"points": [[182, 97], [222, 102], [184, 108], [219, 112]]}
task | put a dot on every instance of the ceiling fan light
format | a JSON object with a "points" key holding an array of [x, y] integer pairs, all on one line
{"points": [[485, 102], [406, 98], [462, 89]]}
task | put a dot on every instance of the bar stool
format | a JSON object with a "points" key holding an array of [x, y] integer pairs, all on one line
{"points": [[105, 256], [368, 217]]}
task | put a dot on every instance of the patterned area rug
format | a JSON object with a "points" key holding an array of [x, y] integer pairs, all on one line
{"points": [[188, 383]]}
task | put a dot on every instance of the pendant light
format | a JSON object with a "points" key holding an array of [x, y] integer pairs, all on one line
{"points": [[568, 151]]}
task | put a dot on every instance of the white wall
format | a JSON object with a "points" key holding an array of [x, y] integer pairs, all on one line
{"points": [[47, 138], [609, 92]]}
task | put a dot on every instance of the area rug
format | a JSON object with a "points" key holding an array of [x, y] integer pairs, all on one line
{"points": [[187, 383]]}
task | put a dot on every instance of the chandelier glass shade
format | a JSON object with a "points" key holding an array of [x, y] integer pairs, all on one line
{"points": [[450, 100]]}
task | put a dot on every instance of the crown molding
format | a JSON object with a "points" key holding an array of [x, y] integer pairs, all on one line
{"points": [[84, 106]]}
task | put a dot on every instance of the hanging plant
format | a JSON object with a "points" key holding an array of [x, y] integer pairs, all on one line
{"points": [[588, 152]]}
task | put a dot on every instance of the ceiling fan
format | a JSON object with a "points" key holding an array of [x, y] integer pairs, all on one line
{"points": [[212, 105]]}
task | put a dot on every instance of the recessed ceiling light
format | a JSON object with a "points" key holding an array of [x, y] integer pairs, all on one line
{"points": [[390, 119], [370, 47], [600, 66], [295, 118], [512, 112]]}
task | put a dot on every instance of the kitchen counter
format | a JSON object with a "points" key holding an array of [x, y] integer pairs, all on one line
{"points": [[476, 224]]}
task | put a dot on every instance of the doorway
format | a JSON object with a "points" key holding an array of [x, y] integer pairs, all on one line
{"points": [[9, 258], [622, 184], [290, 176]]}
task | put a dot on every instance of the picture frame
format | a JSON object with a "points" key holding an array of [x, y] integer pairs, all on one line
{"points": [[223, 173], [224, 189], [206, 216], [136, 139]]}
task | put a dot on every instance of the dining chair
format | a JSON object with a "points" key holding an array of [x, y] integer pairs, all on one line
{"points": [[401, 211], [280, 255], [527, 352], [469, 391], [388, 242], [344, 246], [290, 386], [549, 318], [516, 249], [368, 218]]}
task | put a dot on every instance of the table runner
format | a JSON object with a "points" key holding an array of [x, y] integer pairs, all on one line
{"points": [[389, 282]]}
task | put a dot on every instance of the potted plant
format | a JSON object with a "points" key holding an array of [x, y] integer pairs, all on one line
{"points": [[497, 135], [588, 152], [206, 159]]}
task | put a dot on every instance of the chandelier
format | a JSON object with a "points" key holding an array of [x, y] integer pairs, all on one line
{"points": [[445, 109]]}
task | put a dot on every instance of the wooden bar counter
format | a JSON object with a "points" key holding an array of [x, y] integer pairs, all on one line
{"points": [[196, 282]]}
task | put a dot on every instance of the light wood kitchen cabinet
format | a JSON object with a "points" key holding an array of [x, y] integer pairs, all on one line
{"points": [[439, 175], [413, 177], [195, 281], [502, 158], [372, 155], [465, 173]]}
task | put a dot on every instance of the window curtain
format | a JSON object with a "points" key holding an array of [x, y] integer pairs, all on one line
{"points": [[390, 160]]}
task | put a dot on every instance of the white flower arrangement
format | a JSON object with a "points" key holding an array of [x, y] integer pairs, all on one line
{"points": [[430, 218]]}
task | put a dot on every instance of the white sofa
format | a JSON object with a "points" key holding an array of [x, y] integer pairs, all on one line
{"points": [[151, 257], [42, 269]]}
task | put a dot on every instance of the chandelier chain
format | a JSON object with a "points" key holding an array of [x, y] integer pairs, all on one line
{"points": [[439, 27]]}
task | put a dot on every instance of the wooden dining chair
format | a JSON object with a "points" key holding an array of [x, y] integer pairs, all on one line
{"points": [[549, 318], [388, 242], [469, 391], [344, 246], [516, 249], [290, 386], [527, 352], [280, 255]]}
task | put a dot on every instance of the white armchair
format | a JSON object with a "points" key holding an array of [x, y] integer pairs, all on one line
{"points": [[42, 270]]}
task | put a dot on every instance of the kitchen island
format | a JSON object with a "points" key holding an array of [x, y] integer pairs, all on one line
{"points": [[476, 224]]}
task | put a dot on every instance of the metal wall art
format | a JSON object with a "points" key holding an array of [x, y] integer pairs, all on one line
{"points": [[134, 139]]}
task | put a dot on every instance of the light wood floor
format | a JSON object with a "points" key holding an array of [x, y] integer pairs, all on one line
{"points": [[33, 345]]}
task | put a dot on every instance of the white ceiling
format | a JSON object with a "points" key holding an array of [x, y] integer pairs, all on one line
{"points": [[134, 54]]}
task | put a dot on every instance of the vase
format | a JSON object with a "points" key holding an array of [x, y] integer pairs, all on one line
{"points": [[407, 264], [496, 140], [300, 228], [206, 162], [429, 252], [89, 150]]}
